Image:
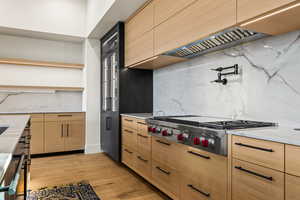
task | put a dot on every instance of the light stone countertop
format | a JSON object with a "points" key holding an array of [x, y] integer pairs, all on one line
{"points": [[10, 138], [138, 115], [281, 134]]}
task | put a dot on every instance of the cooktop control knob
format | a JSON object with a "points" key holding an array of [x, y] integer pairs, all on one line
{"points": [[204, 143], [196, 141], [164, 132], [180, 137], [154, 130]]}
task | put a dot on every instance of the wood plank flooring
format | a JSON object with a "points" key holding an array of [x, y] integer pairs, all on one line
{"points": [[110, 181]]}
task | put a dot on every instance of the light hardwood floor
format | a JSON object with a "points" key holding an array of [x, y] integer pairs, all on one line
{"points": [[109, 180]]}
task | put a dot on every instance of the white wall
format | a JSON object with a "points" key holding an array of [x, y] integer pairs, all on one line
{"points": [[91, 96], [44, 50], [65, 17], [40, 49], [96, 9]]}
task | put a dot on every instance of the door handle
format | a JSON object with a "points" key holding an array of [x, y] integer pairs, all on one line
{"points": [[165, 143], [198, 154], [108, 123], [253, 147], [163, 171], [62, 130], [197, 190], [68, 130], [270, 178]]}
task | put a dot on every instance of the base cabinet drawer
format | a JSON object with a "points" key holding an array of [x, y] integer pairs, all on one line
{"points": [[260, 152], [129, 138], [128, 156], [166, 152], [129, 122], [192, 189], [166, 178], [206, 174], [253, 182], [143, 166], [292, 187], [144, 144], [292, 160]]}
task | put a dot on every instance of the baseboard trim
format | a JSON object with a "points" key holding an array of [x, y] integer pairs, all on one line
{"points": [[56, 154]]}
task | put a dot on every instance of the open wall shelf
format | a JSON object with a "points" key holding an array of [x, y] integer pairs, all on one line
{"points": [[56, 88], [26, 62]]}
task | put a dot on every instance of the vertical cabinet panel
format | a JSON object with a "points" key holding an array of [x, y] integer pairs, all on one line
{"points": [[54, 136], [164, 9], [198, 20], [37, 134], [139, 49], [292, 187], [253, 182], [139, 24], [247, 9], [292, 160], [37, 139], [74, 136], [139, 36]]}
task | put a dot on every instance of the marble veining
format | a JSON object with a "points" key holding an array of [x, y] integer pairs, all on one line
{"points": [[24, 101], [267, 88]]}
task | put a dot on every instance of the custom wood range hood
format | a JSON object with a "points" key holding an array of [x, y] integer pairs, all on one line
{"points": [[277, 21]]}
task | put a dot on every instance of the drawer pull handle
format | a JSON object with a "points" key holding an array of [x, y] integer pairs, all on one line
{"points": [[163, 171], [142, 136], [140, 158], [129, 120], [254, 173], [197, 154], [65, 115], [197, 190], [128, 151], [165, 143], [128, 131], [142, 123], [253, 147]]}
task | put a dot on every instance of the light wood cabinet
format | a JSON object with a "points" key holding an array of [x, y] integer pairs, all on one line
{"points": [[167, 152], [54, 136], [129, 122], [164, 9], [247, 9], [277, 22], [166, 178], [129, 137], [292, 160], [292, 187], [128, 156], [143, 165], [139, 36], [64, 132], [75, 135], [37, 134], [204, 175], [196, 21], [140, 23], [264, 153], [253, 182]]}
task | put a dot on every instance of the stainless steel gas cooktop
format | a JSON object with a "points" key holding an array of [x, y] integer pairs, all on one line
{"points": [[206, 133]]}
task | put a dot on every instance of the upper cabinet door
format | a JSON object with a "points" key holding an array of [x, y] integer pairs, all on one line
{"points": [[164, 9], [281, 21], [140, 23], [247, 9], [139, 36], [197, 21]]}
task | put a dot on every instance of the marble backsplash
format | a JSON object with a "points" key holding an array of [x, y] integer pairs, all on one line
{"points": [[267, 88], [40, 101]]}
